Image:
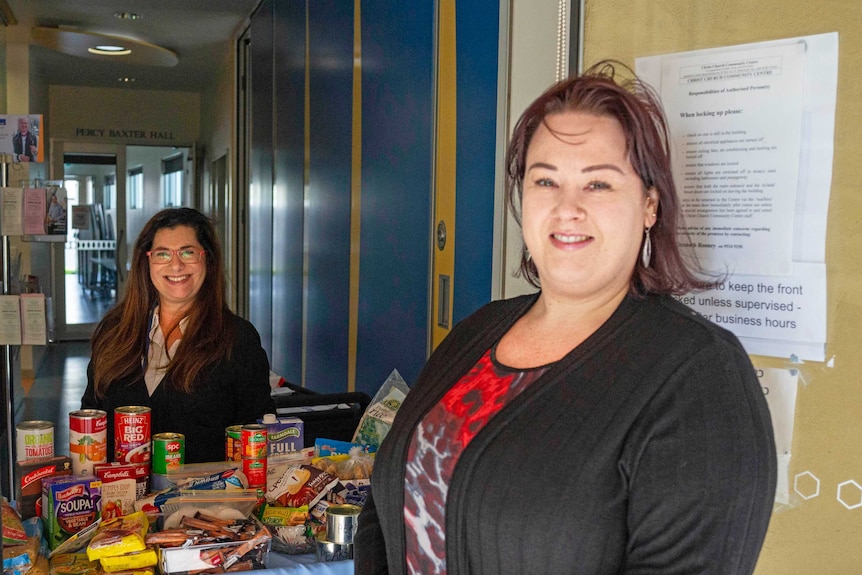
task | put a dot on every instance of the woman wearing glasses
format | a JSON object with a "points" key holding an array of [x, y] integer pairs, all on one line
{"points": [[172, 344]]}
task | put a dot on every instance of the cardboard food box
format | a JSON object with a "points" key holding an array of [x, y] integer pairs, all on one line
{"points": [[240, 555], [28, 481], [69, 504]]}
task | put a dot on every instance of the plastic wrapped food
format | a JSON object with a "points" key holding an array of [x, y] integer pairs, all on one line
{"points": [[13, 529], [378, 417]]}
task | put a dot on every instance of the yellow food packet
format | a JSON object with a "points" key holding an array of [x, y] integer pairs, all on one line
{"points": [[130, 561], [73, 564], [119, 536]]}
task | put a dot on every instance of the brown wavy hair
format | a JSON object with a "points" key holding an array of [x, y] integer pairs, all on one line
{"points": [[601, 91], [120, 341]]}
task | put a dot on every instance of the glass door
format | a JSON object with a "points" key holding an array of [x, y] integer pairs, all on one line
{"points": [[89, 271]]}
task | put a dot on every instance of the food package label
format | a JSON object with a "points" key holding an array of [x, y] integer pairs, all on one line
{"points": [[28, 481], [68, 505]]}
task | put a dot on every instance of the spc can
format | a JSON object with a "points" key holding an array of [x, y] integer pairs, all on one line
{"points": [[254, 441], [35, 439], [233, 443], [168, 452], [341, 522], [132, 434], [88, 439]]}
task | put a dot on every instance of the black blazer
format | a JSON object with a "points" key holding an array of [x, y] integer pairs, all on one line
{"points": [[233, 391]]}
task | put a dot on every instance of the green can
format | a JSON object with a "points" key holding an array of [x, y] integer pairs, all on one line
{"points": [[168, 452]]}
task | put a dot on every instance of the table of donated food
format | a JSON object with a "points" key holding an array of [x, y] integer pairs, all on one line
{"points": [[279, 564]]}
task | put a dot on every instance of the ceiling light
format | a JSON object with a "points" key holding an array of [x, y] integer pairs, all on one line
{"points": [[80, 43], [127, 15], [106, 50], [126, 80]]}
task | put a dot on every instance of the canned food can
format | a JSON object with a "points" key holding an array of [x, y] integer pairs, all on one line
{"points": [[88, 439], [168, 452], [255, 472], [341, 522], [233, 443], [132, 434], [35, 439], [254, 443]]}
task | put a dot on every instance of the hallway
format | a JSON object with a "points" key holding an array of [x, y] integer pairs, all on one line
{"points": [[57, 389], [61, 373]]}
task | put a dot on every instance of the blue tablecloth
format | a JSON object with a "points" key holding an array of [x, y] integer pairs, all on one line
{"points": [[278, 564]]}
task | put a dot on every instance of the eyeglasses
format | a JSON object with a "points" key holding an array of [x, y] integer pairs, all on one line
{"points": [[186, 255]]}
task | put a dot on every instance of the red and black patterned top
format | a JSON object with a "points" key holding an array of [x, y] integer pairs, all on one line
{"points": [[437, 444]]}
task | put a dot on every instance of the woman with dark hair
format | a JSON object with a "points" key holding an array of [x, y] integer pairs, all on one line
{"points": [[172, 344], [595, 427]]}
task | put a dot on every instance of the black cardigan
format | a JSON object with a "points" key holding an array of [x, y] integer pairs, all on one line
{"points": [[233, 391], [648, 449]]}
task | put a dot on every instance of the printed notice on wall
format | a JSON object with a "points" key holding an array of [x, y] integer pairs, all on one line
{"points": [[736, 120], [751, 131]]}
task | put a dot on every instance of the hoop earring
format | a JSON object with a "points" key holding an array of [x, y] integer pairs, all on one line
{"points": [[646, 253]]}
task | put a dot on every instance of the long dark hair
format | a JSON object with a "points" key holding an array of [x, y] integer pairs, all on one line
{"points": [[599, 91], [121, 339]]}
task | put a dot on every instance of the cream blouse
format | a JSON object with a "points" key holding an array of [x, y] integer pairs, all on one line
{"points": [[158, 357]]}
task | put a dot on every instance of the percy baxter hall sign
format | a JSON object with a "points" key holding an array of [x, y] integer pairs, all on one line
{"points": [[128, 134]]}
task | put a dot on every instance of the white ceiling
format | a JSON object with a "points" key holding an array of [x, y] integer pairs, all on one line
{"points": [[196, 30]]}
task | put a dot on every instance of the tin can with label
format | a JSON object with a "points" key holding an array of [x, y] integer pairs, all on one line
{"points": [[168, 452], [254, 441], [88, 439], [341, 522], [35, 439], [233, 443], [255, 471], [132, 434]]}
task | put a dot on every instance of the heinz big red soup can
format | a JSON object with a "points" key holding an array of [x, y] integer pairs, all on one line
{"points": [[132, 434]]}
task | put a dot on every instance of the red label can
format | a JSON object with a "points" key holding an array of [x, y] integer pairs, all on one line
{"points": [[88, 439], [255, 472], [254, 442], [132, 434]]}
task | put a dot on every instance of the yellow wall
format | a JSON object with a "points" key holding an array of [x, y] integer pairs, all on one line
{"points": [[818, 536]]}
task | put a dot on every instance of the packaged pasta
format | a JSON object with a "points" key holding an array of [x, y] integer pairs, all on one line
{"points": [[119, 536]]}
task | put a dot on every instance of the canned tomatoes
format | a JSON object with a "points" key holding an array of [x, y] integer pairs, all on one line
{"points": [[88, 439], [254, 443], [255, 472], [132, 434], [35, 439], [168, 452]]}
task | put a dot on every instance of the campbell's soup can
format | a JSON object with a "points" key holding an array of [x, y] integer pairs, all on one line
{"points": [[168, 452], [88, 439], [254, 444], [132, 434], [35, 439], [233, 443], [255, 471]]}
